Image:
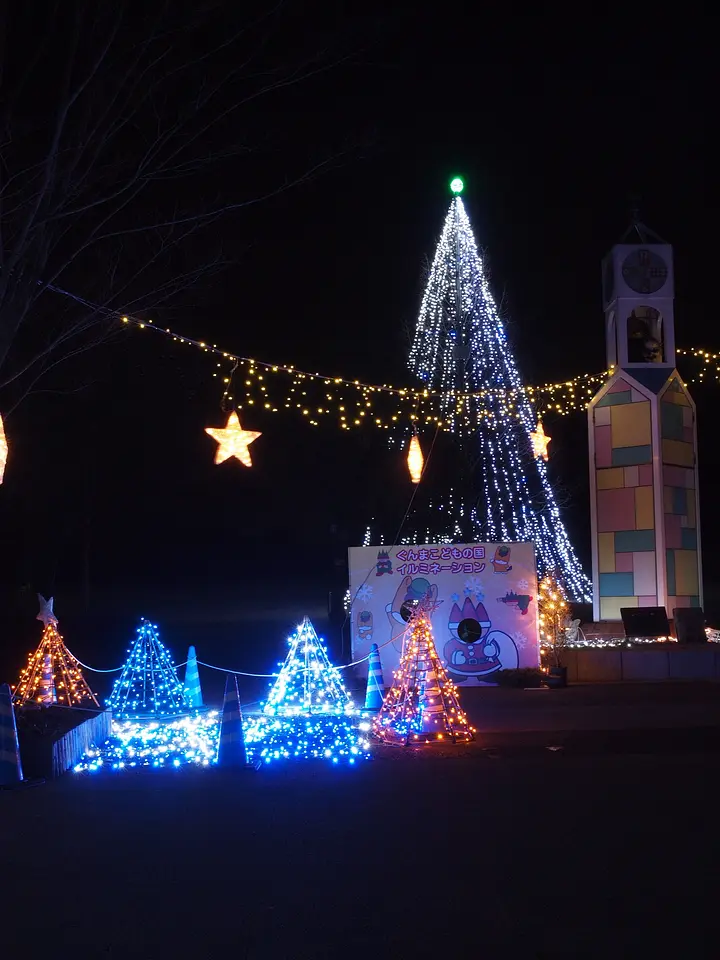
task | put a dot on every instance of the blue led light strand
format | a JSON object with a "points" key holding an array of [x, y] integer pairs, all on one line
{"points": [[191, 739], [308, 683], [308, 714], [148, 686]]}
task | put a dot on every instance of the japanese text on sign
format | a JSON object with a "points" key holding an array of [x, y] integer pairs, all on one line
{"points": [[410, 569], [441, 553]]}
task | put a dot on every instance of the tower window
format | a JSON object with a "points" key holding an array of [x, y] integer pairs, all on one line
{"points": [[645, 336]]}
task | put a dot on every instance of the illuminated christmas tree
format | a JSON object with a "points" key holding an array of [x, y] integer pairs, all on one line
{"points": [[422, 704], [308, 683], [553, 616], [148, 686], [52, 675], [461, 350], [309, 713]]}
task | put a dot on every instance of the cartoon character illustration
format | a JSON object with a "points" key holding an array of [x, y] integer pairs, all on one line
{"points": [[384, 563], [501, 560], [364, 629], [474, 648], [520, 600], [409, 593]]}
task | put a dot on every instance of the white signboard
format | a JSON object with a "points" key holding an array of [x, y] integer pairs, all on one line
{"points": [[486, 614]]}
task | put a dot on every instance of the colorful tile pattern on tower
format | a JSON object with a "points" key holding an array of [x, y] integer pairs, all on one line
{"points": [[646, 497]]}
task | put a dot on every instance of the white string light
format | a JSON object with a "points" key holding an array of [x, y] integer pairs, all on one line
{"points": [[460, 348]]}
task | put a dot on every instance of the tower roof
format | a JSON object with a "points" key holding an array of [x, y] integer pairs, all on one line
{"points": [[653, 378], [637, 232]]}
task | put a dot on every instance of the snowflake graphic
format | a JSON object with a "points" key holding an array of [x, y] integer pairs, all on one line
{"points": [[520, 640], [364, 593], [523, 585], [455, 597], [472, 585]]}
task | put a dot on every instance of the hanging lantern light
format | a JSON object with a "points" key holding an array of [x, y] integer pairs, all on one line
{"points": [[3, 450], [415, 459]]}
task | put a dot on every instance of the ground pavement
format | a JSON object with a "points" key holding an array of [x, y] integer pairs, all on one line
{"points": [[509, 849], [585, 717]]}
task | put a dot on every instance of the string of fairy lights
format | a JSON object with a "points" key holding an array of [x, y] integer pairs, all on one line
{"points": [[317, 397], [274, 387]]}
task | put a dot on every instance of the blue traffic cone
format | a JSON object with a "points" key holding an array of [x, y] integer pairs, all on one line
{"points": [[375, 693], [191, 689], [10, 766], [231, 749]]}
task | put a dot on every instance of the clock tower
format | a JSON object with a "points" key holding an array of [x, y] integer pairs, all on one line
{"points": [[643, 442]]}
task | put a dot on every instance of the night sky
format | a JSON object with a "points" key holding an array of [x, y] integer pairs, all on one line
{"points": [[111, 500]]}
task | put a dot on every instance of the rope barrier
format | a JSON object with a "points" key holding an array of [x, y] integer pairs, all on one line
{"points": [[355, 663], [93, 669], [237, 673]]}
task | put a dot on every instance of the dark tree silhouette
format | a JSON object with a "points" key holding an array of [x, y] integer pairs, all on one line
{"points": [[117, 120]]}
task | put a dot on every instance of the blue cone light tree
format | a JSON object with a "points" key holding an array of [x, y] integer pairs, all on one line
{"points": [[309, 714], [308, 683], [148, 686]]}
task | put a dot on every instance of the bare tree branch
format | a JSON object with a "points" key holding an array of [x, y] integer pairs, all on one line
{"points": [[146, 103]]}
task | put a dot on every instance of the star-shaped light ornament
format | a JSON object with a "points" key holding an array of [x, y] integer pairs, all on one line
{"points": [[233, 441], [540, 441], [46, 614]]}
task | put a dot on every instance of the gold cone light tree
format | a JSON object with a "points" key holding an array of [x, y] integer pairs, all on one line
{"points": [[422, 704], [52, 675]]}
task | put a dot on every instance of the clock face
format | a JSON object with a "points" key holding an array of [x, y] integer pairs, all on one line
{"points": [[644, 271]]}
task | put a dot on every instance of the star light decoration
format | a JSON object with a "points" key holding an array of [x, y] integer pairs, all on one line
{"points": [[540, 441], [46, 614], [233, 441]]}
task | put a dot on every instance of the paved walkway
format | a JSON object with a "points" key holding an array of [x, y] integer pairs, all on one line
{"points": [[597, 718], [553, 857], [620, 706]]}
